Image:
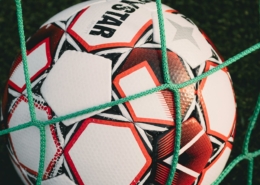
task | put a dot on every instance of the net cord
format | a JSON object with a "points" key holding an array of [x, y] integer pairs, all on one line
{"points": [[34, 121], [168, 85], [175, 92]]}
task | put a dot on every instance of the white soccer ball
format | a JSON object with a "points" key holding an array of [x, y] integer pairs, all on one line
{"points": [[100, 51]]}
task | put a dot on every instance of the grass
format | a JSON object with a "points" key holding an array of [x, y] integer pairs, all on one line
{"points": [[232, 25]]}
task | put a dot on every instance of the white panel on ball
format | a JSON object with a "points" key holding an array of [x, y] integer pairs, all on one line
{"points": [[19, 172], [59, 180], [27, 150], [215, 170], [38, 59], [183, 38], [78, 81], [147, 108], [121, 163], [219, 103], [125, 28]]}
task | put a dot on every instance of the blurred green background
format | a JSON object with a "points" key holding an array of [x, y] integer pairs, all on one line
{"points": [[232, 25]]}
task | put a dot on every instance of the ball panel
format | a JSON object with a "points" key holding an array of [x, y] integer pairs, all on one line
{"points": [[213, 171], [220, 111], [199, 148], [117, 165], [52, 32], [38, 58], [215, 53], [26, 149], [178, 74], [41, 48], [114, 26], [150, 108], [195, 144], [62, 83], [183, 38]]}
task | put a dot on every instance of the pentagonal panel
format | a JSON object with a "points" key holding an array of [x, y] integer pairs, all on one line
{"points": [[77, 81], [218, 102], [110, 27], [108, 152], [26, 149]]}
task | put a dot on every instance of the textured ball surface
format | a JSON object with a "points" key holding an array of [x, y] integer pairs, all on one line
{"points": [[100, 51]]}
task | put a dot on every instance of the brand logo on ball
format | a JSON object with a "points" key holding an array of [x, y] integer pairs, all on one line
{"points": [[114, 18]]}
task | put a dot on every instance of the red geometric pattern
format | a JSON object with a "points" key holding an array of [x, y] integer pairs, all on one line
{"points": [[151, 59], [49, 36], [59, 149], [195, 152], [221, 159]]}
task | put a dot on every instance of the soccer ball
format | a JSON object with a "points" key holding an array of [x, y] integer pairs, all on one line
{"points": [[100, 51]]}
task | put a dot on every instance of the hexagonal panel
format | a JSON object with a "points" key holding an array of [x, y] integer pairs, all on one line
{"points": [[76, 82], [107, 152], [26, 149], [38, 58], [218, 102], [151, 108]]}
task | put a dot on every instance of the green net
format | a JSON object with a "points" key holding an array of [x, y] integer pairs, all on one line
{"points": [[245, 155]]}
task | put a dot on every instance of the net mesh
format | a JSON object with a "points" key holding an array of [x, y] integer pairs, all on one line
{"points": [[245, 154]]}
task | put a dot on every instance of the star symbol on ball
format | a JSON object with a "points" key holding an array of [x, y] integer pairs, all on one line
{"points": [[183, 32]]}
